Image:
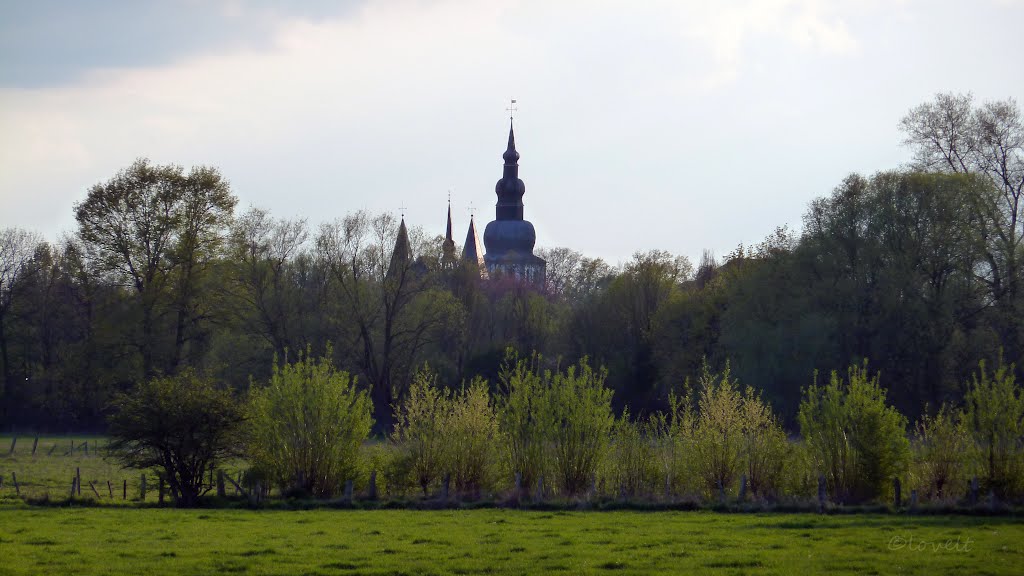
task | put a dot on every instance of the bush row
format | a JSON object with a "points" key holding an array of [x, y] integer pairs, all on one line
{"points": [[552, 433]]}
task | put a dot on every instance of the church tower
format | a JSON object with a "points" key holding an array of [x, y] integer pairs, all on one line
{"points": [[510, 239], [448, 258]]}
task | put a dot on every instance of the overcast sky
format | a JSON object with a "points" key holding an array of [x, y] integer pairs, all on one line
{"points": [[678, 125]]}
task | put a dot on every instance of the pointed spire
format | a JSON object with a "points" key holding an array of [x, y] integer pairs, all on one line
{"points": [[511, 156], [448, 258], [401, 257], [472, 252], [448, 232]]}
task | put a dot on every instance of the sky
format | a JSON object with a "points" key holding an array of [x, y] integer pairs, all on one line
{"points": [[642, 124]]}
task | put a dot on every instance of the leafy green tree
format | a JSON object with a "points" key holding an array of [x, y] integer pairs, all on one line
{"points": [[306, 425], [952, 134], [154, 230], [182, 425]]}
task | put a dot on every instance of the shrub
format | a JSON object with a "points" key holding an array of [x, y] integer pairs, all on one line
{"points": [[718, 432], [471, 438], [941, 446], [994, 415], [856, 440], [634, 466], [675, 438], [307, 424], [420, 423], [181, 424], [582, 416], [525, 418], [565, 416], [765, 448]]}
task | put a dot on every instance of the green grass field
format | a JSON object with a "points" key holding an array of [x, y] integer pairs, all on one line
{"points": [[166, 541], [121, 537]]}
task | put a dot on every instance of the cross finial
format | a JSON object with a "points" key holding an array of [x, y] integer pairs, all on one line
{"points": [[512, 109], [402, 210], [471, 209], [449, 197]]}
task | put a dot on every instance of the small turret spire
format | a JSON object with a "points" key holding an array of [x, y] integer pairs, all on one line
{"points": [[448, 258]]}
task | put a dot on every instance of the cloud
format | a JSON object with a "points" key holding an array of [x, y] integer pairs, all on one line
{"points": [[319, 112]]}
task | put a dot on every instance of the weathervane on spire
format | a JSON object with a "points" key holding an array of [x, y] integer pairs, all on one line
{"points": [[512, 109], [471, 209], [402, 210]]}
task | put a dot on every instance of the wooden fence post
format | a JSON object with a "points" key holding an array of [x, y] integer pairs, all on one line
{"points": [[142, 488], [14, 477], [161, 500], [72, 451], [110, 489], [14, 441], [220, 483], [52, 448], [94, 490], [124, 496], [35, 444], [74, 485], [78, 479], [897, 499], [85, 446]]}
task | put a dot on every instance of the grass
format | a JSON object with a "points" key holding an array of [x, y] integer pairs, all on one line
{"points": [[47, 474], [493, 541], [122, 538]]}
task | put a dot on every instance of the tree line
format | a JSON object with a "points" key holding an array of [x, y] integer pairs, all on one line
{"points": [[916, 269]]}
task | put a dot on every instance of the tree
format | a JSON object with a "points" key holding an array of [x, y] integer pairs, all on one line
{"points": [[153, 229], [950, 134], [262, 254], [17, 251], [182, 424], [388, 295]]}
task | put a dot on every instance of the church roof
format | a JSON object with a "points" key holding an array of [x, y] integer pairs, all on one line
{"points": [[472, 251], [402, 254]]}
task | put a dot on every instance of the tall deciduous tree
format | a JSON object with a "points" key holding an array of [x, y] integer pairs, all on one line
{"points": [[952, 134], [153, 229], [17, 251], [388, 295]]}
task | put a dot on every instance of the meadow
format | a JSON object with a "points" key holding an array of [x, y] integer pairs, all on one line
{"points": [[497, 541], [104, 535]]}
